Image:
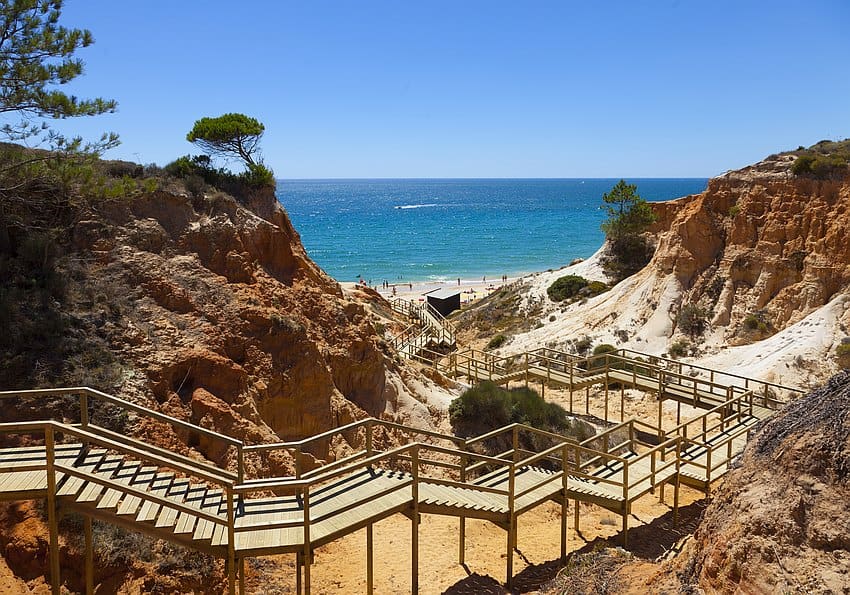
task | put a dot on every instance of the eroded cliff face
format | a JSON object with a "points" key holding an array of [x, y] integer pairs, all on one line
{"points": [[759, 239], [762, 252], [226, 322]]}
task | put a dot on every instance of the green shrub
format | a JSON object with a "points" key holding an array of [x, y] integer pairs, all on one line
{"points": [[734, 210], [823, 160], [602, 349], [258, 176], [497, 341], [679, 349], [479, 409], [757, 321], [692, 319], [582, 346], [485, 407], [626, 255], [595, 288], [843, 350], [566, 287]]}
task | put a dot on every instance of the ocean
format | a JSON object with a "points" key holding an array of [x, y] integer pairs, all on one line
{"points": [[440, 230]]}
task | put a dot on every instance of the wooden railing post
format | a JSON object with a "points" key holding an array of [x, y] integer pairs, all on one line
{"points": [[231, 542], [369, 438], [240, 464], [625, 502], [461, 556], [509, 571], [414, 525], [84, 409], [564, 478], [308, 550], [52, 521], [515, 455]]}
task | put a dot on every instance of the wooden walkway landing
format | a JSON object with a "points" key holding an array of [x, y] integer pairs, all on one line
{"points": [[78, 466]]}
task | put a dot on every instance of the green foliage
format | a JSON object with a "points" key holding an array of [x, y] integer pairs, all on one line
{"points": [[566, 287], [573, 286], [692, 319], [497, 341], [757, 322], [36, 57], [198, 172], [843, 350], [628, 213], [603, 348], [823, 160], [629, 216], [734, 210], [257, 176], [485, 407], [595, 288], [679, 349], [230, 135], [626, 255]]}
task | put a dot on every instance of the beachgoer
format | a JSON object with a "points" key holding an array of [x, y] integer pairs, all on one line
{"points": [[458, 281], [393, 289]]}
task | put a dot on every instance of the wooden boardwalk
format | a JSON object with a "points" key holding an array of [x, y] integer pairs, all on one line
{"points": [[78, 466]]}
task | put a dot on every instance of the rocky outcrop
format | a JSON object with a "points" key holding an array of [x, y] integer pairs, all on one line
{"points": [[223, 320], [759, 239], [779, 522]]}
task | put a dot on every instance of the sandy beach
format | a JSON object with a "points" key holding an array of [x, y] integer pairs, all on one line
{"points": [[471, 290]]}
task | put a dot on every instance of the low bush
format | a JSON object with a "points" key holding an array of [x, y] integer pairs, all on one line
{"points": [[486, 406], [601, 349], [626, 255], [679, 349], [692, 319], [566, 287], [823, 160], [843, 353], [497, 341], [756, 322]]}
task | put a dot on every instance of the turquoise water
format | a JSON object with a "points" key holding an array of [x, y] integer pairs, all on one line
{"points": [[437, 230]]}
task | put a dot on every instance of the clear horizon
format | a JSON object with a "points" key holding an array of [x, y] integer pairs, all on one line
{"points": [[479, 89]]}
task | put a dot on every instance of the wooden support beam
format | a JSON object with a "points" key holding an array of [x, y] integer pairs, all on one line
{"points": [[241, 565], [414, 523], [370, 569], [52, 521], [622, 401], [461, 542], [626, 524], [564, 528], [298, 573]]}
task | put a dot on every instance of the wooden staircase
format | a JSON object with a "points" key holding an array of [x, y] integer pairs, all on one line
{"points": [[78, 466]]}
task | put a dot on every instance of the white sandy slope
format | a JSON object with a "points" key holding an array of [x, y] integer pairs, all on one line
{"points": [[639, 312]]}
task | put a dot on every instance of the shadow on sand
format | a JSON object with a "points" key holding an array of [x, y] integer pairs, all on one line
{"points": [[647, 542]]}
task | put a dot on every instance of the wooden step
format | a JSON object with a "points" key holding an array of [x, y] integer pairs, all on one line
{"points": [[123, 475], [85, 462], [159, 487], [130, 504], [212, 504], [168, 516], [186, 521]]}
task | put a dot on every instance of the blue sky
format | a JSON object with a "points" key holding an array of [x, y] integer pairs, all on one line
{"points": [[467, 88]]}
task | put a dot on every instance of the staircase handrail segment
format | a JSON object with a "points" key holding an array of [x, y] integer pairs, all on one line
{"points": [[764, 384]]}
